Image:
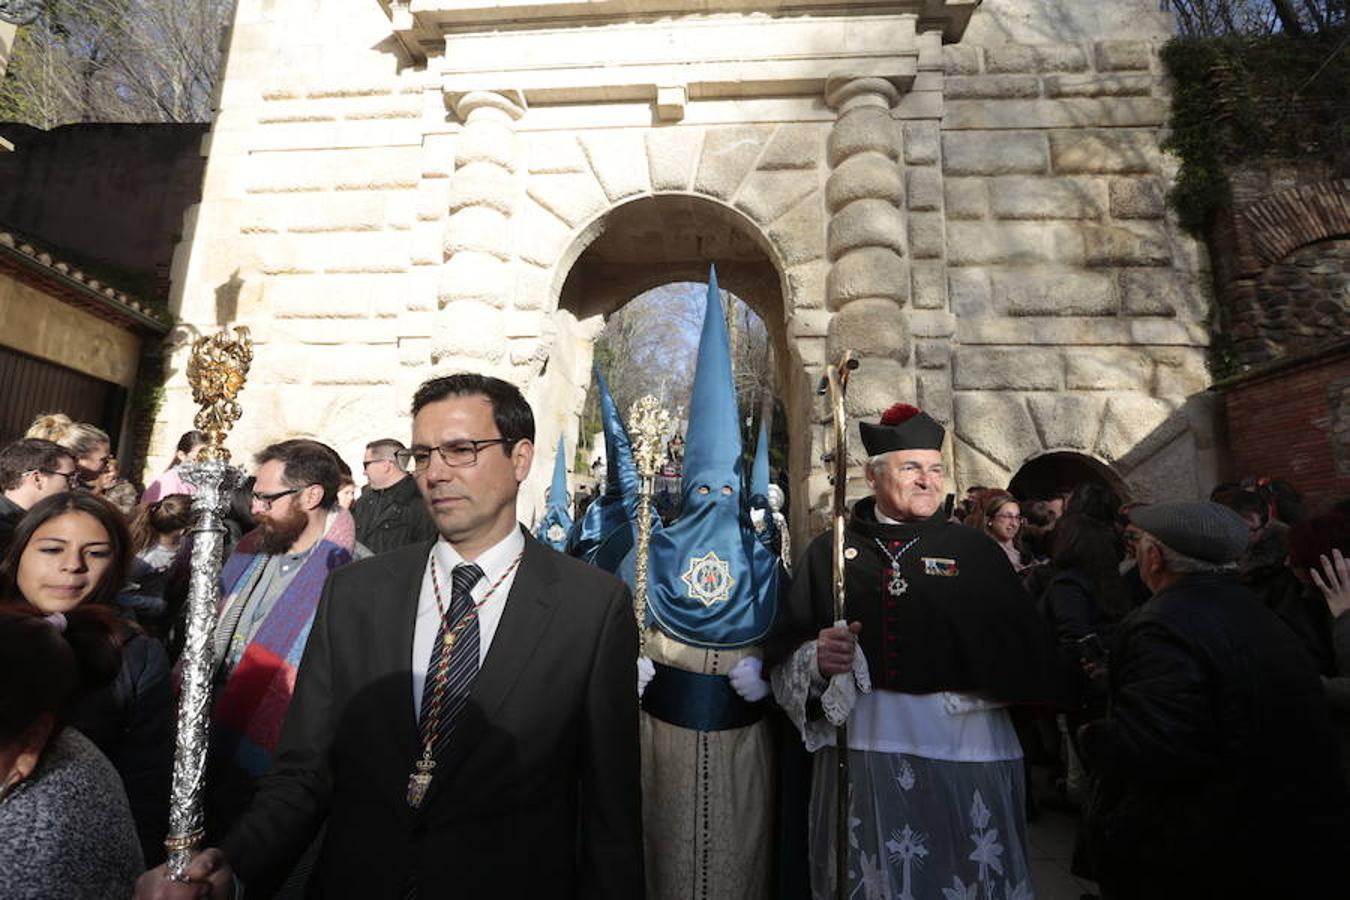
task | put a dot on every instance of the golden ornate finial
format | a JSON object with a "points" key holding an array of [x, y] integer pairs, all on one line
{"points": [[647, 424], [217, 370]]}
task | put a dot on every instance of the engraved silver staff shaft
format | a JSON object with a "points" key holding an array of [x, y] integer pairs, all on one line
{"points": [[647, 423], [214, 480]]}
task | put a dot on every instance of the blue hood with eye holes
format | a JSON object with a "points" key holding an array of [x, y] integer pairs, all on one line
{"points": [[711, 583]]}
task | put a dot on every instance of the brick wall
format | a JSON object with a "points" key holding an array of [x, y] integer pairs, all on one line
{"points": [[1289, 424]]}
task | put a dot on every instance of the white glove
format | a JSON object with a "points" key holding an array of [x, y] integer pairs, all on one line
{"points": [[646, 672], [747, 680]]}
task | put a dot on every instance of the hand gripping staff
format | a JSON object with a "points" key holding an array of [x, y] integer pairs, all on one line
{"points": [[835, 383]]}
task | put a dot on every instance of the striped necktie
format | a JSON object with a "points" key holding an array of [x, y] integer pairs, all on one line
{"points": [[454, 667]]}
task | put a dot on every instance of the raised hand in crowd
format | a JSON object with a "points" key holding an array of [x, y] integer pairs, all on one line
{"points": [[1334, 582]]}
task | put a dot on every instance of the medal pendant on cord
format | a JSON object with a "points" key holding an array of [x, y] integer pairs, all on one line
{"points": [[419, 781], [897, 585]]}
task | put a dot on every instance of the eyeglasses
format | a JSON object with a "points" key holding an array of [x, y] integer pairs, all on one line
{"points": [[455, 454], [71, 477], [383, 459], [266, 500]]}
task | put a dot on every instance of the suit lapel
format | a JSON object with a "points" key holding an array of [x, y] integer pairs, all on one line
{"points": [[405, 584], [529, 609]]}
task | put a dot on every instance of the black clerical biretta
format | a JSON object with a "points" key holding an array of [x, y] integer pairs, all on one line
{"points": [[902, 427]]}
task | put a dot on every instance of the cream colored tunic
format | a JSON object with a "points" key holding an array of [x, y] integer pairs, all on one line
{"points": [[706, 796]]}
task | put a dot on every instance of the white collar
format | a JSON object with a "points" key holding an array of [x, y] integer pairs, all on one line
{"points": [[885, 519], [494, 561]]}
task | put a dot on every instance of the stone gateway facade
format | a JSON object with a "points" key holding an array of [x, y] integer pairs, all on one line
{"points": [[969, 195]]}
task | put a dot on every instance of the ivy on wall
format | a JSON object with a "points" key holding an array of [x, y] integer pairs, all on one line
{"points": [[1238, 99]]}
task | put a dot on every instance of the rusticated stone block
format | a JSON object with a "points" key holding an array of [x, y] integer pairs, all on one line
{"points": [[487, 141], [1066, 421], [612, 155], [1035, 58], [728, 154], [1143, 244], [1151, 292], [959, 60], [922, 141], [1107, 369], [870, 328], [866, 175], [998, 426], [1001, 368], [929, 280], [973, 467], [1109, 152], [990, 87], [478, 228], [966, 198], [1136, 198], [862, 130], [971, 295], [933, 393], [480, 277], [767, 195], [1098, 85], [806, 285], [1122, 55], [799, 234], [483, 184], [1128, 421], [924, 188], [866, 223], [351, 364], [1179, 372], [794, 146], [875, 386], [1026, 197], [927, 235], [1053, 292], [994, 153], [1067, 112], [867, 272], [465, 328], [932, 354], [1013, 243], [572, 198], [552, 153], [672, 154]]}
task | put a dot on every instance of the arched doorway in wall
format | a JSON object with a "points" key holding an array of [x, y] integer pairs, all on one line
{"points": [[1058, 472], [666, 242]]}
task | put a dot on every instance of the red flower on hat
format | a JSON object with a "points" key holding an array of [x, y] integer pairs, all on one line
{"points": [[899, 414]]}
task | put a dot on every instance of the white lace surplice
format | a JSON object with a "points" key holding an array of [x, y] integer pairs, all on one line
{"points": [[937, 786]]}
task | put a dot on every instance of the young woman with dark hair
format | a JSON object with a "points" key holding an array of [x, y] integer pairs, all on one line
{"points": [[189, 448], [69, 554], [65, 827], [156, 535]]}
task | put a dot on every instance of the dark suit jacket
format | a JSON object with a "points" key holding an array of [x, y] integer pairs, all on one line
{"points": [[538, 793]]}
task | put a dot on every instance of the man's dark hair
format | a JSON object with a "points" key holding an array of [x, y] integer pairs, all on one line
{"points": [[305, 462], [387, 446], [510, 412], [26, 455], [1241, 501]]}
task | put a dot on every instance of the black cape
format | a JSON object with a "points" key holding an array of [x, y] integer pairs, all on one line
{"points": [[964, 624]]}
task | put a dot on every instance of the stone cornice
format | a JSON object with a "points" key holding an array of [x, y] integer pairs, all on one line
{"points": [[422, 26], [674, 62]]}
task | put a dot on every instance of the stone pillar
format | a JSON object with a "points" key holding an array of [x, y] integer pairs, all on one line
{"points": [[476, 278], [868, 283]]}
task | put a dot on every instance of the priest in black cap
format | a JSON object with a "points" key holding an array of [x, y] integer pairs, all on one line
{"points": [[948, 640]]}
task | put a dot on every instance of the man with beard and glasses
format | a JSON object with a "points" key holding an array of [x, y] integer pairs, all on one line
{"points": [[270, 587]]}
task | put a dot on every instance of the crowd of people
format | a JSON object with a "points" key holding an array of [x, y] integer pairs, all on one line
{"points": [[1180, 669]]}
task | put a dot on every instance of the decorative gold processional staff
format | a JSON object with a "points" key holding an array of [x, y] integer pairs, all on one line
{"points": [[835, 383], [647, 423], [217, 370]]}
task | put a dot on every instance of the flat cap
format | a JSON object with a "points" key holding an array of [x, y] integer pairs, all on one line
{"points": [[1198, 528]]}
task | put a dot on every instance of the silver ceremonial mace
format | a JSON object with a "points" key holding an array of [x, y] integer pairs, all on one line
{"points": [[648, 422], [217, 370]]}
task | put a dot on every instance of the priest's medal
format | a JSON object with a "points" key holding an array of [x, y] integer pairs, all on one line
{"points": [[897, 585]]}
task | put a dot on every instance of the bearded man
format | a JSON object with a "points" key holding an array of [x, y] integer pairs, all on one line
{"points": [[270, 589], [948, 639]]}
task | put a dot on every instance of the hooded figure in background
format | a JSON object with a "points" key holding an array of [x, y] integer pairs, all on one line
{"points": [[556, 523], [606, 533], [712, 596]]}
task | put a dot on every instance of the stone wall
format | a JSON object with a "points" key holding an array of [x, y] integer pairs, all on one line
{"points": [[982, 221], [1077, 304]]}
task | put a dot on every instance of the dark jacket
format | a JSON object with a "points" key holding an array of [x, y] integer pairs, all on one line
{"points": [[132, 722], [10, 514], [392, 518], [538, 792], [1218, 770]]}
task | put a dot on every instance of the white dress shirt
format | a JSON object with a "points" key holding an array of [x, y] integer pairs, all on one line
{"points": [[494, 562]]}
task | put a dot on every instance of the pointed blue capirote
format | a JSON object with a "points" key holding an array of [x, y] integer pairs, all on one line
{"points": [[711, 583], [759, 471], [556, 523], [604, 534]]}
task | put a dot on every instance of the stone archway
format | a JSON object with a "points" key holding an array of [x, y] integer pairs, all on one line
{"points": [[1057, 471], [651, 240]]}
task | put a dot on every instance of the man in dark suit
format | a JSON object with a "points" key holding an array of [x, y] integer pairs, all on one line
{"points": [[464, 717]]}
